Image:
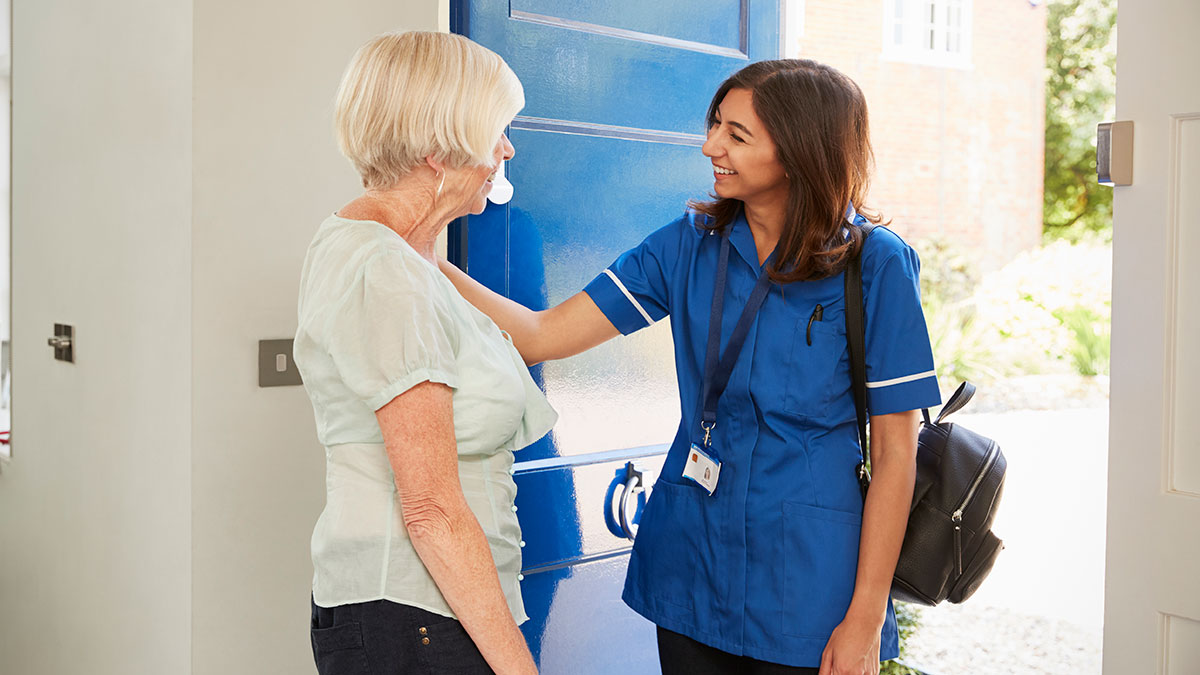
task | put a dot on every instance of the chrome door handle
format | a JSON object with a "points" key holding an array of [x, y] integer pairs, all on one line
{"points": [[634, 487], [59, 342]]}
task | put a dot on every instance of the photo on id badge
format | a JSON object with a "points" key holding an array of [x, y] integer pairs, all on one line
{"points": [[701, 469]]}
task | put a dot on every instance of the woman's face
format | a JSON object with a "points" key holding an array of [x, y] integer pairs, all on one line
{"points": [[745, 165], [472, 184]]}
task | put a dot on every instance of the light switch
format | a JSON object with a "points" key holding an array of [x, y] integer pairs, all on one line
{"points": [[276, 367]]}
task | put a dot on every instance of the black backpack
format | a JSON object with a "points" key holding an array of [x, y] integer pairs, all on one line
{"points": [[948, 547]]}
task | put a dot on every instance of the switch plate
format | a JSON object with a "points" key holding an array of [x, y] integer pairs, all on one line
{"points": [[64, 342], [276, 367]]}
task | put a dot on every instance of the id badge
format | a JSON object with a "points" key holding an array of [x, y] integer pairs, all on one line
{"points": [[701, 469]]}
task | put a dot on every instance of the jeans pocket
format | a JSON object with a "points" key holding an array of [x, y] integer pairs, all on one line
{"points": [[338, 650], [446, 647], [821, 562]]}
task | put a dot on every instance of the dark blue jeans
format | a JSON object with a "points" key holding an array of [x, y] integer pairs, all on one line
{"points": [[386, 638]]}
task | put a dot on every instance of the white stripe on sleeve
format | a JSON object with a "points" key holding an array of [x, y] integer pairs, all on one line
{"points": [[637, 305], [902, 380]]}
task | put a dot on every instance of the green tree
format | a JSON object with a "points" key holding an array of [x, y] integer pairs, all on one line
{"points": [[1081, 53]]}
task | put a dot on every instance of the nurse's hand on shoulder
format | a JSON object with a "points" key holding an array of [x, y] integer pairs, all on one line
{"points": [[853, 649]]}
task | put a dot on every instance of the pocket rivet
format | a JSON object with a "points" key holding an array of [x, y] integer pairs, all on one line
{"points": [[423, 630], [424, 641]]}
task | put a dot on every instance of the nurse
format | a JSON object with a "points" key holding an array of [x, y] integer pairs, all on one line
{"points": [[756, 552]]}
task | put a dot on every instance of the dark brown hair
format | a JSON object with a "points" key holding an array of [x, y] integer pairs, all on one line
{"points": [[817, 118]]}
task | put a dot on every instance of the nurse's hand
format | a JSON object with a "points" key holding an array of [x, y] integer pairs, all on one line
{"points": [[853, 649]]}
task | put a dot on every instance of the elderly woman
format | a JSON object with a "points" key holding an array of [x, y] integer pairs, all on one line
{"points": [[420, 400]]}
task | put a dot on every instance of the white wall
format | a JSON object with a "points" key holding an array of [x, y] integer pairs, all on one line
{"points": [[267, 172], [171, 160], [95, 507]]}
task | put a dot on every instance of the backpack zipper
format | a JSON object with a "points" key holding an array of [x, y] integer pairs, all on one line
{"points": [[993, 453], [957, 516]]}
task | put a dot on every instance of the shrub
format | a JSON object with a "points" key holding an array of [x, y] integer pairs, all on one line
{"points": [[1047, 311], [1089, 353], [961, 345], [907, 620]]}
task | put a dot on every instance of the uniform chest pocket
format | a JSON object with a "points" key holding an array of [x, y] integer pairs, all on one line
{"points": [[815, 378]]}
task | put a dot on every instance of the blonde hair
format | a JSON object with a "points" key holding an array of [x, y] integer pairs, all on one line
{"points": [[406, 96]]}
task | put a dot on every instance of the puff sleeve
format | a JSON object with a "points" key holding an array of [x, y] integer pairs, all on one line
{"points": [[392, 331]]}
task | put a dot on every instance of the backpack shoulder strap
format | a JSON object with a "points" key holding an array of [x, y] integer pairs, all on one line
{"points": [[855, 335]]}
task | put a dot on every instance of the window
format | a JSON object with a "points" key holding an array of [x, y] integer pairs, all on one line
{"points": [[934, 32]]}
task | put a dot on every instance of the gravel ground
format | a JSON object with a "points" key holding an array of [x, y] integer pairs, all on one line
{"points": [[1041, 609], [986, 640]]}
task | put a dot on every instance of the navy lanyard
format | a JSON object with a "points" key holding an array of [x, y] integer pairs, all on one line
{"points": [[717, 372]]}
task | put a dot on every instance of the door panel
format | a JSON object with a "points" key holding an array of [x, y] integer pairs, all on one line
{"points": [[581, 201], [1152, 592], [660, 22], [584, 524], [607, 151], [578, 631]]}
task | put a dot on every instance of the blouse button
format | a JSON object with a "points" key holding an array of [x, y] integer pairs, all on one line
{"points": [[520, 577], [423, 630], [522, 543], [424, 641], [514, 508]]}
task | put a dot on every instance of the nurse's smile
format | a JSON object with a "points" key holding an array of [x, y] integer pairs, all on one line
{"points": [[744, 158]]}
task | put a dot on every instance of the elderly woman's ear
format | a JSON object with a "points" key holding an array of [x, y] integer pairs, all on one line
{"points": [[438, 165], [439, 173]]}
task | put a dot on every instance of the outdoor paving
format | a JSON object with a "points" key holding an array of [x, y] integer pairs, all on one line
{"points": [[1041, 610]]}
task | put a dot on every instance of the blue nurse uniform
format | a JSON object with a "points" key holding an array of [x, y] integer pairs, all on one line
{"points": [[765, 567]]}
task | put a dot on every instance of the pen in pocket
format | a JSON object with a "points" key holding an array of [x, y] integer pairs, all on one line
{"points": [[818, 312]]}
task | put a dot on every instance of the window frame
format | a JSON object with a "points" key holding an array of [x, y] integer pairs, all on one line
{"points": [[917, 31]]}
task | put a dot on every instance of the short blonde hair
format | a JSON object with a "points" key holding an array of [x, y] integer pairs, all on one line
{"points": [[406, 96]]}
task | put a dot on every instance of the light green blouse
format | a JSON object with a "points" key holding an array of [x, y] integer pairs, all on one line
{"points": [[375, 319]]}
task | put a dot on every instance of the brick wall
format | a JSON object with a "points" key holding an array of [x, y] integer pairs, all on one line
{"points": [[959, 150]]}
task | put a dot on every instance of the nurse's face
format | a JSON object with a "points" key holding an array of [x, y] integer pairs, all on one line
{"points": [[745, 164]]}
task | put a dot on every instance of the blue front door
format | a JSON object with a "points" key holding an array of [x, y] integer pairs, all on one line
{"points": [[608, 150]]}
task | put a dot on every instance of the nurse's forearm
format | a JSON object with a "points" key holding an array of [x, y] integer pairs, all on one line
{"points": [[519, 321], [885, 514], [571, 327]]}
